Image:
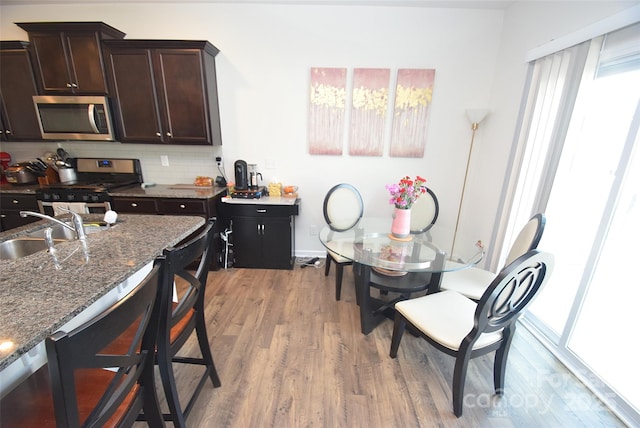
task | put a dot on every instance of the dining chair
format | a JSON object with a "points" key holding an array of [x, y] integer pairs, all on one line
{"points": [[86, 381], [473, 281], [464, 329], [179, 319], [424, 212], [342, 208]]}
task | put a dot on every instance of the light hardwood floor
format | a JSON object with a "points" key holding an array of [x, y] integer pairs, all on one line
{"points": [[289, 355]]}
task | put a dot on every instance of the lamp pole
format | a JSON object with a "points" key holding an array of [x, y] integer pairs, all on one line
{"points": [[475, 116]]}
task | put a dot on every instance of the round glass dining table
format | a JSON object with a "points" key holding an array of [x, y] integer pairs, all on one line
{"points": [[396, 267]]}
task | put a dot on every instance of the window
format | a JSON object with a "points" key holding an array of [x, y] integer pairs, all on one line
{"points": [[580, 165]]}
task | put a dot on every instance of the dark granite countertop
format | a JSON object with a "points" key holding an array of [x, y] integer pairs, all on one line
{"points": [[170, 191], [158, 191], [23, 188], [36, 299]]}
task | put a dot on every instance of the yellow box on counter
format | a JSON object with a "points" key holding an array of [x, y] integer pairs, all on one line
{"points": [[275, 189]]}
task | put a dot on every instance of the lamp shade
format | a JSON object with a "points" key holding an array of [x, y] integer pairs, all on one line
{"points": [[477, 115]]}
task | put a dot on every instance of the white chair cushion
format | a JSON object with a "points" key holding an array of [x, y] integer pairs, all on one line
{"points": [[446, 317], [471, 282], [337, 257]]}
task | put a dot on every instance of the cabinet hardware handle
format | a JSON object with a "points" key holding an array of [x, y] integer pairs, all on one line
{"points": [[182, 206], [74, 85], [68, 85], [3, 216], [261, 211], [8, 131], [133, 204], [169, 134], [158, 134], [258, 227], [15, 201]]}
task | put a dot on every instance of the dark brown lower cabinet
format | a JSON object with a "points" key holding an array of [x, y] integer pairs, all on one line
{"points": [[10, 206], [172, 206]]}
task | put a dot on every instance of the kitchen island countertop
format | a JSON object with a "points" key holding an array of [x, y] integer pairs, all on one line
{"points": [[36, 299]]}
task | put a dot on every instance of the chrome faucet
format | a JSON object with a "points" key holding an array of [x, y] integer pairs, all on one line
{"points": [[78, 228], [76, 220]]}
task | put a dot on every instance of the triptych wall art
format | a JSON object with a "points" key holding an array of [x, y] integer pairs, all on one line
{"points": [[369, 112]]}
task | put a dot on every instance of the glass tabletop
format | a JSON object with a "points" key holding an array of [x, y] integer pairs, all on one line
{"points": [[370, 243]]}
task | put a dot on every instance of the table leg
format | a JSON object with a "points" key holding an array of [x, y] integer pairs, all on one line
{"points": [[436, 277], [369, 318]]}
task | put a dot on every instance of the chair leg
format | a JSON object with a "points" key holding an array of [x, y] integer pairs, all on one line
{"points": [[500, 361], [399, 325], [151, 408], [205, 350], [170, 391], [327, 265], [339, 271], [459, 377]]}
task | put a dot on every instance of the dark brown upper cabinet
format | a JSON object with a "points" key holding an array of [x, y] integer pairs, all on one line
{"points": [[165, 91], [18, 119], [67, 56]]}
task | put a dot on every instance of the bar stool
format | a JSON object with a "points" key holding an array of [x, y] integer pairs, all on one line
{"points": [[178, 320], [86, 381]]}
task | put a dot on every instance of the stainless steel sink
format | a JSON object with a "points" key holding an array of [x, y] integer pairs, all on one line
{"points": [[21, 247], [34, 241], [57, 232]]}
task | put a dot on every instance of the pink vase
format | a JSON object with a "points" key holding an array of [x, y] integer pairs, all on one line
{"points": [[401, 226]]}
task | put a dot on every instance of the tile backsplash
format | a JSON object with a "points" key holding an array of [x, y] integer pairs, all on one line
{"points": [[185, 162]]}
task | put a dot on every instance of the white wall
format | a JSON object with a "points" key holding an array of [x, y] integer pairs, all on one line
{"points": [[263, 77]]}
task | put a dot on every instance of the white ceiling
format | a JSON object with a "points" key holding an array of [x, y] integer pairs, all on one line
{"points": [[472, 4]]}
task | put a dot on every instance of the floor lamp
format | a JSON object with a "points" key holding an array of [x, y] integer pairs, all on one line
{"points": [[475, 116]]}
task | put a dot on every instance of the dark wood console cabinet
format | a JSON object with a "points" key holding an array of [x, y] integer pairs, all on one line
{"points": [[166, 91], [68, 56], [263, 235]]}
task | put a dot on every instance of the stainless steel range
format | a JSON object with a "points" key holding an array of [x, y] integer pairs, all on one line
{"points": [[89, 193]]}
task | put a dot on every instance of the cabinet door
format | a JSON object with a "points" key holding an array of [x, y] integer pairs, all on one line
{"points": [[180, 80], [17, 87], [137, 114], [85, 63], [247, 243], [276, 243], [51, 62]]}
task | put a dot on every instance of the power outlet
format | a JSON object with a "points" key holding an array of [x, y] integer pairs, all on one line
{"points": [[164, 160], [219, 160]]}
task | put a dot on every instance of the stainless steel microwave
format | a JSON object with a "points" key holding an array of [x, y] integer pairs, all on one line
{"points": [[74, 117]]}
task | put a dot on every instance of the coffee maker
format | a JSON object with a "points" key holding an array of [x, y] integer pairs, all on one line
{"points": [[253, 176], [242, 181]]}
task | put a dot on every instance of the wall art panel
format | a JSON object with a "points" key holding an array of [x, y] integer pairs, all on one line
{"points": [[327, 110], [369, 110], [414, 91]]}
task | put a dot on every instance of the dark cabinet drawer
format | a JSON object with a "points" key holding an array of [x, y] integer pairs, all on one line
{"points": [[184, 206], [258, 210], [135, 205], [18, 202]]}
